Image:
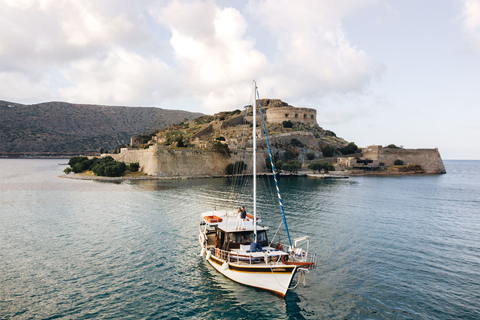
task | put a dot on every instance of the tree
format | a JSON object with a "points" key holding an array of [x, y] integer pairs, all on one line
{"points": [[278, 165], [310, 156], [221, 147], [180, 143], [398, 162], [319, 166], [328, 151], [292, 165], [133, 167], [349, 149], [290, 155], [75, 160], [287, 124], [392, 146]]}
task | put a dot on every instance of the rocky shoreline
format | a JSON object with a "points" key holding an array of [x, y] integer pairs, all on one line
{"points": [[336, 175]]}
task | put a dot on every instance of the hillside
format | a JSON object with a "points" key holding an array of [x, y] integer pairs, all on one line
{"points": [[60, 128], [232, 130]]}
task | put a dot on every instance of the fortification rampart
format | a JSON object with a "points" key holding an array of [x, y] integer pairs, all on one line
{"points": [[280, 114], [429, 159], [163, 161]]}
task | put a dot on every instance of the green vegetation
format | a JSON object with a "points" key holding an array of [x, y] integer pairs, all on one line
{"points": [[236, 168], [292, 165], [287, 124], [328, 151], [392, 146], [310, 156], [349, 149], [106, 166], [290, 155], [133, 167], [319, 166], [296, 143], [398, 162], [221, 148]]}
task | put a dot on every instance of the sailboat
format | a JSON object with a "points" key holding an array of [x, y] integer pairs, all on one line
{"points": [[240, 249]]}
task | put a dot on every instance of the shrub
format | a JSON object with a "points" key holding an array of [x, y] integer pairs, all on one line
{"points": [[292, 166], [75, 160], [101, 167], [278, 165], [133, 167], [180, 143], [296, 143], [221, 147], [398, 162], [287, 124], [109, 168], [67, 170], [392, 146], [310, 156], [81, 166], [328, 151], [349, 149], [290, 155]]}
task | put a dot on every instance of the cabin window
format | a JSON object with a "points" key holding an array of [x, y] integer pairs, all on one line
{"points": [[241, 237], [262, 236]]}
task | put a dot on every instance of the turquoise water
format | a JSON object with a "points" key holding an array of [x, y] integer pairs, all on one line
{"points": [[388, 247]]}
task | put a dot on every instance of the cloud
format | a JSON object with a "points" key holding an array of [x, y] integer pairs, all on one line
{"points": [[471, 23], [313, 55], [146, 52], [119, 77], [212, 49]]}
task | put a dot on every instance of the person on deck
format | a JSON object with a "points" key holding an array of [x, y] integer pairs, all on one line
{"points": [[242, 215]]}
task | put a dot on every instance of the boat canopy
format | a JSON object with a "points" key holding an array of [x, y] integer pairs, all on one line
{"points": [[229, 221]]}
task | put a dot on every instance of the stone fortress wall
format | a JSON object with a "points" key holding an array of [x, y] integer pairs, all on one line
{"points": [[280, 114], [429, 159], [162, 161]]}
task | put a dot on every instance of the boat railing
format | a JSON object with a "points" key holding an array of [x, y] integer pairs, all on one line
{"points": [[241, 258]]}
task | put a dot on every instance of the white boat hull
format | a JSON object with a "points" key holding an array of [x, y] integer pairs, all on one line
{"points": [[272, 278]]}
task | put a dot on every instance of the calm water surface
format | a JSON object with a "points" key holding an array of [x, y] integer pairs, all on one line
{"points": [[388, 247]]}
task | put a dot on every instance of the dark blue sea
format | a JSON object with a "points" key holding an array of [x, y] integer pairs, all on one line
{"points": [[388, 247]]}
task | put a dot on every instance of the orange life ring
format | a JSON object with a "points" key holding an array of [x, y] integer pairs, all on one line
{"points": [[217, 252]]}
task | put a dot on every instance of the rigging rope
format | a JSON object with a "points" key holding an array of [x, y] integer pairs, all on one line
{"points": [[273, 170]]}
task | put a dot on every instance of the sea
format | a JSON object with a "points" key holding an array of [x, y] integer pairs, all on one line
{"points": [[403, 247]]}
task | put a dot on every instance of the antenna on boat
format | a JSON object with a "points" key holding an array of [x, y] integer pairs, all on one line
{"points": [[254, 107]]}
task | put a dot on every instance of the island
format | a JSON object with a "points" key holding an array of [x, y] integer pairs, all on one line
{"points": [[211, 145]]}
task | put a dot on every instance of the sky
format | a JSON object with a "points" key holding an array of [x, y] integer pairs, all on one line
{"points": [[378, 72]]}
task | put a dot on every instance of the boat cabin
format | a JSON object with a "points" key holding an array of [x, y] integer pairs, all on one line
{"points": [[226, 232]]}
